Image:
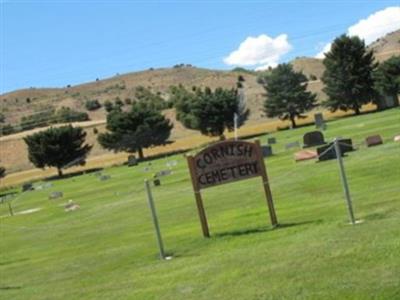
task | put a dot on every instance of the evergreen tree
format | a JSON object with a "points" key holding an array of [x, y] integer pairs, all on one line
{"points": [[348, 73], [60, 147], [387, 78], [142, 127], [287, 97], [146, 96], [210, 112]]}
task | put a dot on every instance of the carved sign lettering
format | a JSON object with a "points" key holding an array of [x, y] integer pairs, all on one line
{"points": [[226, 162]]}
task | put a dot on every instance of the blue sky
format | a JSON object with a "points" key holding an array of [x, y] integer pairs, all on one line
{"points": [[55, 43]]}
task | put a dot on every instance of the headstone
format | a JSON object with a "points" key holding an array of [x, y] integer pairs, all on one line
{"points": [[38, 187], [325, 154], [373, 140], [266, 150], [104, 177], [71, 206], [132, 161], [319, 121], [172, 163], [27, 187], [397, 138], [345, 145], [271, 141], [43, 186], [162, 173], [55, 195], [305, 155], [313, 138], [292, 145], [157, 182]]}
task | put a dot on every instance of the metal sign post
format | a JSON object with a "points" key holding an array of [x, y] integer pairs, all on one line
{"points": [[344, 180], [155, 220], [235, 125]]}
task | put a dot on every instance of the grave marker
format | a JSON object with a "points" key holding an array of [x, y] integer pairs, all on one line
{"points": [[104, 177], [266, 150], [132, 161], [163, 173], [27, 187], [319, 121], [292, 145], [56, 195], [325, 154], [305, 155], [373, 140], [271, 141], [313, 138], [345, 145], [225, 162]]}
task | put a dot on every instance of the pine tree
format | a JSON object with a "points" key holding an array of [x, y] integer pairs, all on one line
{"points": [[142, 127], [348, 76], [387, 78], [60, 147], [287, 97], [210, 112]]}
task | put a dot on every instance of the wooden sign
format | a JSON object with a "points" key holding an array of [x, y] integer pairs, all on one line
{"points": [[226, 162]]}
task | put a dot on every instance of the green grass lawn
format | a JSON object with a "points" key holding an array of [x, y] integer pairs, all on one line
{"points": [[107, 249]]}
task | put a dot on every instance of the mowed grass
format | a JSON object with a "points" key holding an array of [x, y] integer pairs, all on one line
{"points": [[107, 248]]}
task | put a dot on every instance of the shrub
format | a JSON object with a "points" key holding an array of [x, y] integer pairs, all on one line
{"points": [[108, 106], [92, 105], [66, 114], [6, 129]]}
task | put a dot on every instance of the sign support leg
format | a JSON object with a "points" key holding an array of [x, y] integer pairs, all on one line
{"points": [[202, 214], [199, 200], [270, 203], [267, 189]]}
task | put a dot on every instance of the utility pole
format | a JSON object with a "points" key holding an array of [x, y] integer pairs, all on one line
{"points": [[344, 180]]}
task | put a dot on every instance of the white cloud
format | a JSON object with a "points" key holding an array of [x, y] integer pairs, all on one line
{"points": [[265, 67], [377, 24], [373, 27], [326, 48], [262, 51]]}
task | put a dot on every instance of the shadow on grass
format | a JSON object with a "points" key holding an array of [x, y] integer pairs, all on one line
{"points": [[73, 174], [10, 287], [8, 194], [9, 262], [263, 229]]}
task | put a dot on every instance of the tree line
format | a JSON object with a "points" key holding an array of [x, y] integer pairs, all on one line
{"points": [[351, 79]]}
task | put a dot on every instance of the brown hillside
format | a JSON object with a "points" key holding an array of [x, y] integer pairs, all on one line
{"points": [[19, 103], [387, 46], [309, 66]]}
